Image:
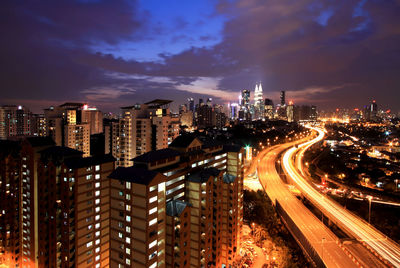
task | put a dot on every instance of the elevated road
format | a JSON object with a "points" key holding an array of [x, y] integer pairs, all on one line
{"points": [[323, 242], [347, 221]]}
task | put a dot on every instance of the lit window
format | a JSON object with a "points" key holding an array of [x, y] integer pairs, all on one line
{"points": [[120, 235], [151, 211], [97, 193], [152, 188], [97, 176], [97, 168], [97, 250], [128, 240], [153, 221], [89, 227], [97, 233], [128, 218], [128, 251], [97, 209], [88, 177], [97, 258], [97, 217], [128, 197], [128, 229], [128, 261], [121, 193], [97, 201], [97, 241], [97, 184], [128, 185], [97, 226], [128, 208], [152, 244], [153, 199], [89, 244]]}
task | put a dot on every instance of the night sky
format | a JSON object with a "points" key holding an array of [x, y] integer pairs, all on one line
{"points": [[333, 53]]}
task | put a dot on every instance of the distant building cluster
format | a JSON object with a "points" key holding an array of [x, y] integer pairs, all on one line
{"points": [[369, 113], [264, 109]]}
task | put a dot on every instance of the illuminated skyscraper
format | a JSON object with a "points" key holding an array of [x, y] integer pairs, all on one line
{"points": [[283, 98], [259, 102]]}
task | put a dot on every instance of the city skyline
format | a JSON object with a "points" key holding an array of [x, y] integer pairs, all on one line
{"points": [[127, 52]]}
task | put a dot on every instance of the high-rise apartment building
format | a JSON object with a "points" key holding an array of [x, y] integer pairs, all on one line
{"points": [[162, 184], [180, 206], [10, 186], [142, 128], [71, 125], [60, 206], [77, 136], [15, 121]]}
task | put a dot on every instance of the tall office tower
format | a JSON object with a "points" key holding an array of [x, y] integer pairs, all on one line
{"points": [[15, 121], [259, 102], [77, 136], [290, 112], [283, 98], [189, 171], [60, 202], [93, 117], [313, 113], [10, 185], [269, 109], [245, 98], [373, 110], [191, 104], [209, 102], [233, 111], [143, 128], [245, 105], [39, 125]]}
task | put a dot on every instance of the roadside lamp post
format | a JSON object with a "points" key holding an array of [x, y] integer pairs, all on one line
{"points": [[369, 214]]}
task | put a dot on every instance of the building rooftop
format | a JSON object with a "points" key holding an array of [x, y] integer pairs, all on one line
{"points": [[158, 102], [203, 175], [232, 148], [80, 162], [182, 141], [40, 141], [175, 208], [72, 104], [229, 178], [155, 155], [8, 147], [133, 174]]}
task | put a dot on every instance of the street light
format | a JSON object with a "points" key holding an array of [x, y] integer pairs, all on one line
{"points": [[369, 214]]}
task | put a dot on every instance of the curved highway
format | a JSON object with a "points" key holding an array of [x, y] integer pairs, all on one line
{"points": [[361, 230], [323, 241]]}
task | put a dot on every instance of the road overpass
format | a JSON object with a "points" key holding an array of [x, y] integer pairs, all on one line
{"points": [[317, 240]]}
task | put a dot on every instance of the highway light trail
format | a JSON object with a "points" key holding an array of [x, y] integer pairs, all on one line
{"points": [[361, 230]]}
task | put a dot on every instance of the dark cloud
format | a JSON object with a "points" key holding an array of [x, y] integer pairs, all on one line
{"points": [[335, 53]]}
